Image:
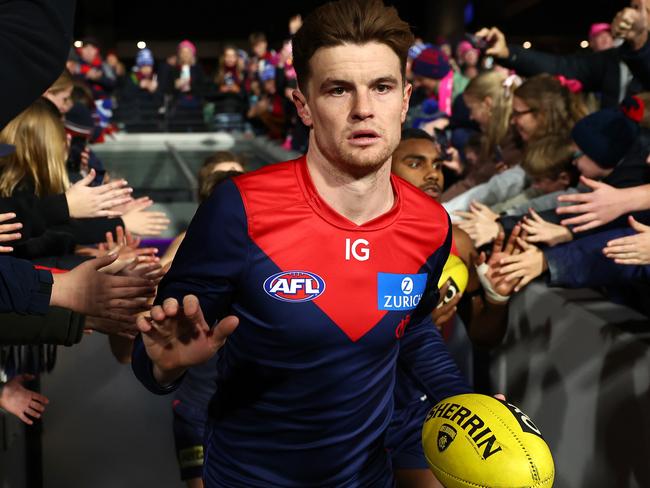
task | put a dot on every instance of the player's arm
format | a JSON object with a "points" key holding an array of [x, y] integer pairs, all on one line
{"points": [[424, 356], [195, 294], [423, 353]]}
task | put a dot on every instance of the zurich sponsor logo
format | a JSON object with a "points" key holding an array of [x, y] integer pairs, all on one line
{"points": [[399, 291], [407, 285], [294, 286]]}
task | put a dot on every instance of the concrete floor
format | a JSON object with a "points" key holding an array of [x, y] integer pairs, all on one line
{"points": [[102, 429]]}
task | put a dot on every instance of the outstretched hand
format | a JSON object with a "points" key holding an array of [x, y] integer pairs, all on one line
{"points": [[541, 231], [85, 201], [598, 207], [8, 231], [498, 47], [144, 222], [631, 24], [126, 246], [500, 250], [631, 250], [524, 267], [86, 290], [177, 338], [479, 223], [21, 402]]}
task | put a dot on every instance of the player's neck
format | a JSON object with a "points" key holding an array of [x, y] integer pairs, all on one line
{"points": [[360, 199]]}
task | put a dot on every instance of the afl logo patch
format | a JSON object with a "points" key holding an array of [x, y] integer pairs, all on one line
{"points": [[294, 286]]}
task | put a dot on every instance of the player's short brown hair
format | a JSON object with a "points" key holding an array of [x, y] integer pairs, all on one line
{"points": [[349, 21]]}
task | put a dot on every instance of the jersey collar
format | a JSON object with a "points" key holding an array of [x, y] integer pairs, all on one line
{"points": [[324, 210]]}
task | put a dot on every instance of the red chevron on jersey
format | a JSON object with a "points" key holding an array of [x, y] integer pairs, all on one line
{"points": [[317, 243]]}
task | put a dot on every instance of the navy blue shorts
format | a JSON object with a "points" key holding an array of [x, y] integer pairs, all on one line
{"points": [[189, 429], [404, 436]]}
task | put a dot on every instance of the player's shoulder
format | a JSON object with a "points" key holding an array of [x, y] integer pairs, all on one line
{"points": [[275, 185]]}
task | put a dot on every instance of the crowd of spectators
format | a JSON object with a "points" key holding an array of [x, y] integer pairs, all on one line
{"points": [[541, 159], [248, 92]]}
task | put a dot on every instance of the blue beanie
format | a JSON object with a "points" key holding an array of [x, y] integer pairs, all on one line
{"points": [[431, 63], [144, 58], [268, 73], [79, 120], [417, 48], [605, 136]]}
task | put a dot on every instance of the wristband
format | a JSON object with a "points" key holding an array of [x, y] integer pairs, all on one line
{"points": [[490, 292]]}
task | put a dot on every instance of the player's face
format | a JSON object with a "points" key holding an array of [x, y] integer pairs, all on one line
{"points": [[355, 104], [418, 161]]}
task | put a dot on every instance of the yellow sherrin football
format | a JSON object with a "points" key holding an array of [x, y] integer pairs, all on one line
{"points": [[478, 441]]}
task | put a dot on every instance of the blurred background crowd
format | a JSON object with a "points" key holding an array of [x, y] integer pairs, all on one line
{"points": [[540, 155]]}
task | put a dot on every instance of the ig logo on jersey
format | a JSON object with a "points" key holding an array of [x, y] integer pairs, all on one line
{"points": [[294, 286]]}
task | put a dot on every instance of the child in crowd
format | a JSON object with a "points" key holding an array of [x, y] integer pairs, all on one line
{"points": [[188, 83], [87, 65], [60, 93], [230, 100], [141, 96], [541, 106], [489, 99], [432, 71], [607, 149], [548, 166]]}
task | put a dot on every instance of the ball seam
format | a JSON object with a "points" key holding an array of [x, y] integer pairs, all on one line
{"points": [[514, 434]]}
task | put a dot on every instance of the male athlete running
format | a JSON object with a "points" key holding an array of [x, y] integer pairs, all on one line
{"points": [[321, 273]]}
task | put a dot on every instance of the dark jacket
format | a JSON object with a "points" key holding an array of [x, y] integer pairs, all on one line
{"points": [[48, 229], [581, 263], [24, 289], [58, 327], [36, 40], [197, 82], [599, 72]]}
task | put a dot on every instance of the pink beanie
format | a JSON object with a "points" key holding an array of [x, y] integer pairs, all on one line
{"points": [[188, 44], [463, 48], [598, 28]]}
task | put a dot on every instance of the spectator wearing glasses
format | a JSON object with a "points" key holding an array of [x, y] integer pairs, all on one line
{"points": [[541, 106]]}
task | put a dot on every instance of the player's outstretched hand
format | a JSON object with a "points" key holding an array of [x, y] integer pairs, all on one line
{"points": [[177, 337]]}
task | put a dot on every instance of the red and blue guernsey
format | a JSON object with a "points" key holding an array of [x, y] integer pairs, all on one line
{"points": [[327, 309]]}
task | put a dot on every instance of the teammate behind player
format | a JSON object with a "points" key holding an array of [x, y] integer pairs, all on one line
{"points": [[327, 266]]}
